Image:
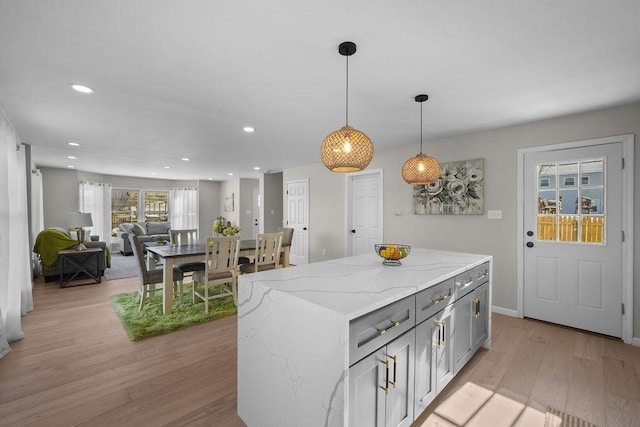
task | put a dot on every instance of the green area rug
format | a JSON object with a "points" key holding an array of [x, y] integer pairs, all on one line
{"points": [[151, 322]]}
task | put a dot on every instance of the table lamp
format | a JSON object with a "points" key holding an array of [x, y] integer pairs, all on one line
{"points": [[79, 220]]}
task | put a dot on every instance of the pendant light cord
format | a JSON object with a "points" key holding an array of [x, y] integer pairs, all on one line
{"points": [[421, 127], [347, 91]]}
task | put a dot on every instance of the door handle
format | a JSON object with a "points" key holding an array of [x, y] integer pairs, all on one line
{"points": [[529, 244], [304, 228], [353, 231], [529, 233]]}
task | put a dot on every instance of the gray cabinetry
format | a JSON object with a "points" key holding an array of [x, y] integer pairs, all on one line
{"points": [[381, 386], [403, 354], [434, 357], [471, 314]]}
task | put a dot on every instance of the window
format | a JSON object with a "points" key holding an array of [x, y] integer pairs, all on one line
{"points": [[569, 181], [544, 182], [131, 205]]}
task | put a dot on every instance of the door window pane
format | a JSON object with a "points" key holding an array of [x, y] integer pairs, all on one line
{"points": [[571, 201]]}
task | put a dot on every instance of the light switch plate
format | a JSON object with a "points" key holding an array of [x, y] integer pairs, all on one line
{"points": [[494, 214]]}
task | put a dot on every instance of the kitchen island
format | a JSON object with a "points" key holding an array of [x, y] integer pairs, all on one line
{"points": [[301, 333]]}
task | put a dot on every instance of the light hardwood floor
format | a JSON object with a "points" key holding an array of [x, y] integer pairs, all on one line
{"points": [[76, 366]]}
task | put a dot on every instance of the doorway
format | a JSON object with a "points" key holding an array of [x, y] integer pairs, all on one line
{"points": [[298, 219], [575, 207], [364, 212]]}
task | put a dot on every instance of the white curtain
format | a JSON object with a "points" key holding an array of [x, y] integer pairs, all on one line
{"points": [[16, 297], [95, 198], [37, 214], [183, 203]]}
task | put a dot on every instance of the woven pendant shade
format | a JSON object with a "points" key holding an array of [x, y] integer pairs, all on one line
{"points": [[421, 170], [346, 150]]}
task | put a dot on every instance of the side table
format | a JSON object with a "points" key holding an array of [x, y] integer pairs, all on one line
{"points": [[79, 260]]}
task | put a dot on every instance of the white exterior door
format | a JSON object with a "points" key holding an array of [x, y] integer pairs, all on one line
{"points": [[298, 219], [365, 207], [573, 237]]}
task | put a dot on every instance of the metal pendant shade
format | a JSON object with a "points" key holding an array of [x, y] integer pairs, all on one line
{"points": [[421, 169], [347, 149]]}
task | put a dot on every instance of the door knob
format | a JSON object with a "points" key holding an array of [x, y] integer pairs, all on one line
{"points": [[529, 233], [353, 231], [529, 244], [304, 228]]}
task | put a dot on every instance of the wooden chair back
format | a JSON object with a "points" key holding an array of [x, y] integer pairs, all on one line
{"points": [[183, 237], [268, 250], [222, 255]]}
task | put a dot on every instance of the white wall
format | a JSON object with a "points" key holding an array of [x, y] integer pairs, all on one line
{"points": [[478, 234], [209, 206]]}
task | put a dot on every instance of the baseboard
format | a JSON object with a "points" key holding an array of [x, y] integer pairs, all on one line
{"points": [[505, 311], [635, 341]]}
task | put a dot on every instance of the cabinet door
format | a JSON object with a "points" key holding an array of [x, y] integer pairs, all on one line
{"points": [[367, 380], [480, 316], [462, 339], [426, 341], [444, 350], [400, 356]]}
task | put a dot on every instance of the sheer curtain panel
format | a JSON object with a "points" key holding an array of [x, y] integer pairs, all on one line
{"points": [[16, 297], [183, 203], [95, 198]]}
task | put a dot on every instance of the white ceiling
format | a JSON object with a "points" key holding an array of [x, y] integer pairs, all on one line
{"points": [[179, 79]]}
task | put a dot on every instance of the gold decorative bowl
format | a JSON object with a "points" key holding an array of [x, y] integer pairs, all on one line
{"points": [[392, 253]]}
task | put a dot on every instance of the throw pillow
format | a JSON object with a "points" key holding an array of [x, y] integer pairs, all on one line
{"points": [[127, 227], [138, 230]]}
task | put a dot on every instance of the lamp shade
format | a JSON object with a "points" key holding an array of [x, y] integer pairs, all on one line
{"points": [[346, 150], [79, 220], [421, 170]]}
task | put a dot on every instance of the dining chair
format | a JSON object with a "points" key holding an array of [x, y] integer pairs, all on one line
{"points": [[182, 238], [188, 236], [149, 280], [287, 238], [267, 254], [219, 277]]}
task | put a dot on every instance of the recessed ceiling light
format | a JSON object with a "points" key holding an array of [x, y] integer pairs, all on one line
{"points": [[70, 166], [248, 129], [230, 174], [256, 168], [74, 144], [153, 173], [167, 167], [210, 179], [81, 88], [71, 157], [185, 159]]}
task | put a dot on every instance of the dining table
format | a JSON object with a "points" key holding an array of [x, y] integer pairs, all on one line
{"points": [[172, 255]]}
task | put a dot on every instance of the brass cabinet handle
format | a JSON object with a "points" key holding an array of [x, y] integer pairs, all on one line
{"points": [[386, 364], [439, 342], [393, 325], [437, 300], [477, 302], [483, 274], [395, 366], [462, 286]]}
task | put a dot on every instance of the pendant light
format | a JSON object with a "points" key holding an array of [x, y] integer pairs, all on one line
{"points": [[421, 169], [347, 149]]}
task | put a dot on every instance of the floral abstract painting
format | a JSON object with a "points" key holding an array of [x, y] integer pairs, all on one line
{"points": [[458, 191]]}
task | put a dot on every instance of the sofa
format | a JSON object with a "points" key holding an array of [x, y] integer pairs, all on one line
{"points": [[52, 240], [146, 232]]}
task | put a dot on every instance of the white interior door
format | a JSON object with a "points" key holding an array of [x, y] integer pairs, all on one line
{"points": [[298, 219], [573, 237], [364, 218], [256, 214]]}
